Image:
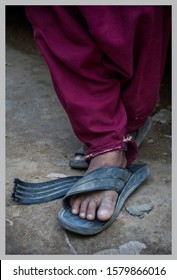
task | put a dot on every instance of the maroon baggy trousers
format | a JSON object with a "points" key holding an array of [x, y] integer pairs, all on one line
{"points": [[106, 64]]}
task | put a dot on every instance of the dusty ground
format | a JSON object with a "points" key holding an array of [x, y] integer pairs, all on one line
{"points": [[39, 140]]}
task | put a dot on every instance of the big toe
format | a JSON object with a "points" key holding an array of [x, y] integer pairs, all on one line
{"points": [[107, 206]]}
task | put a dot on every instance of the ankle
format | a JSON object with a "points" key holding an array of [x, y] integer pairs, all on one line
{"points": [[112, 158]]}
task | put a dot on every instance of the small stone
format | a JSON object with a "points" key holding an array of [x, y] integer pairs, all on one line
{"points": [[56, 175], [45, 117], [130, 248], [163, 116], [168, 136], [138, 210], [9, 222], [150, 141]]}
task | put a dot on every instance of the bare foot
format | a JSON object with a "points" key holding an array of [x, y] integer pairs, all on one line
{"points": [[100, 204]]}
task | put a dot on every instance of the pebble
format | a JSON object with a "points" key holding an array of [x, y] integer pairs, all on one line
{"points": [[163, 116], [56, 175], [150, 141], [9, 222], [138, 210], [130, 248]]}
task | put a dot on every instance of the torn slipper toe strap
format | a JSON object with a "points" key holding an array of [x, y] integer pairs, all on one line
{"points": [[30, 193]]}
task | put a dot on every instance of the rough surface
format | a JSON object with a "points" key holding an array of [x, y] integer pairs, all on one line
{"points": [[40, 141]]}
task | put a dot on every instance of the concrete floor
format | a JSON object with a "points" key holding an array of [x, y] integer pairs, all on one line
{"points": [[39, 141]]}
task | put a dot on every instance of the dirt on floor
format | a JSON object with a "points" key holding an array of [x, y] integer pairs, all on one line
{"points": [[40, 141]]}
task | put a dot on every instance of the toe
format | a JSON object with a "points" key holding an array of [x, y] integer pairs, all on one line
{"points": [[107, 206], [75, 203], [83, 209], [91, 210]]}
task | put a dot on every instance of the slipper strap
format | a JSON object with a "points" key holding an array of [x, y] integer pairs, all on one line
{"points": [[104, 178], [81, 151]]}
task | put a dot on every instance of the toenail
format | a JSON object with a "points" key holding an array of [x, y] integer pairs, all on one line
{"points": [[74, 211], [90, 217], [82, 215]]}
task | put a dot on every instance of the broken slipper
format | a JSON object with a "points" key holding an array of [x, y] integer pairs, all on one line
{"points": [[122, 180]]}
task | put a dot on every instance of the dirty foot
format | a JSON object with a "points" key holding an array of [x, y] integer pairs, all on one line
{"points": [[98, 204]]}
